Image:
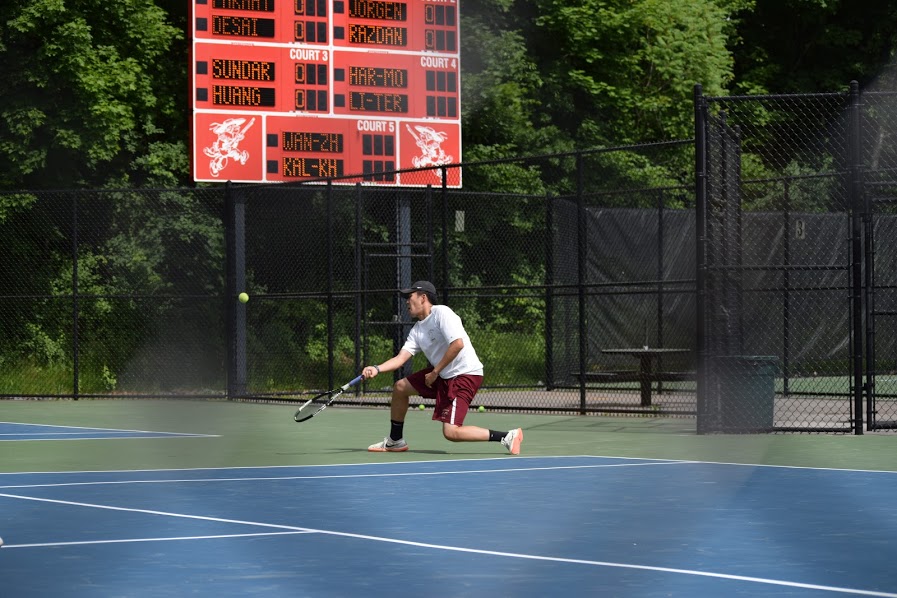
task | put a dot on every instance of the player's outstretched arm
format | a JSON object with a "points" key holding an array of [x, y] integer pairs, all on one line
{"points": [[389, 365]]}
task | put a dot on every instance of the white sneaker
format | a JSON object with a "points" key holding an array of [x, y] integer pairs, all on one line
{"points": [[512, 441], [388, 445]]}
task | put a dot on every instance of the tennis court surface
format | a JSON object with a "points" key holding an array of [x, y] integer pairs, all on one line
{"points": [[234, 500]]}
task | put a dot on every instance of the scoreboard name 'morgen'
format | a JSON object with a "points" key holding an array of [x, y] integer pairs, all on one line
{"points": [[378, 9]]}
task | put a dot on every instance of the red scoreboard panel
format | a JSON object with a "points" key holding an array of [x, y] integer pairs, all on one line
{"points": [[285, 90]]}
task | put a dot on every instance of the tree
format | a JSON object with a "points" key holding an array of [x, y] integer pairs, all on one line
{"points": [[623, 72], [813, 45], [87, 100]]}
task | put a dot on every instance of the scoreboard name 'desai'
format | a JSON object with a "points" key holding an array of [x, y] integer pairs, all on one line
{"points": [[242, 26]]}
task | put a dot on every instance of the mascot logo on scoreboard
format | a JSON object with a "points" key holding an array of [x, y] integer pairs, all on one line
{"points": [[429, 141], [227, 147]]}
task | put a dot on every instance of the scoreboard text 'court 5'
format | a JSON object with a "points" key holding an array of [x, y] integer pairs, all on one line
{"points": [[286, 90]]}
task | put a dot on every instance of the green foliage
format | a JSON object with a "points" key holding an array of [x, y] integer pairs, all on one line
{"points": [[510, 357], [623, 72], [813, 45], [83, 100]]}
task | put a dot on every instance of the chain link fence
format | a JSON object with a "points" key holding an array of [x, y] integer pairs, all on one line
{"points": [[761, 299], [132, 293], [792, 260]]}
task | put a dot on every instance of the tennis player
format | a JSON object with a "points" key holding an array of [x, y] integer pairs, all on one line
{"points": [[453, 378]]}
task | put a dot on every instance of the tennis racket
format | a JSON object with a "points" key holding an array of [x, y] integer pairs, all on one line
{"points": [[319, 403]]}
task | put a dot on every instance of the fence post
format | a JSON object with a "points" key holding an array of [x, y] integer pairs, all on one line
{"points": [[329, 234], [581, 280], [549, 293], [235, 312], [359, 301], [700, 106], [445, 247], [786, 284], [429, 201], [856, 257], [75, 300]]}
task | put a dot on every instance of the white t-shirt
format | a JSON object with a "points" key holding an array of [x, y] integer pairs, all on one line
{"points": [[433, 334]]}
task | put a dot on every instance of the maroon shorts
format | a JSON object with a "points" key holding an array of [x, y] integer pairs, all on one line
{"points": [[453, 396]]}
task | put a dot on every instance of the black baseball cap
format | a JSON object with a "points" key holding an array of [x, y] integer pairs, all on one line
{"points": [[421, 286]]}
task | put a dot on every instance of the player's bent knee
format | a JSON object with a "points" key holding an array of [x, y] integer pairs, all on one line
{"points": [[403, 387], [452, 433]]}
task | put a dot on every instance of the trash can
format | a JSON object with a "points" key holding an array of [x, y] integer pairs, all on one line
{"points": [[745, 392]]}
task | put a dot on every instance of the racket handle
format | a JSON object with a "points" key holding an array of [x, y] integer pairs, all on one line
{"points": [[353, 382]]}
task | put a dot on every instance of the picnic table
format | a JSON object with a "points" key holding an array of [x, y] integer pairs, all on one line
{"points": [[645, 374]]}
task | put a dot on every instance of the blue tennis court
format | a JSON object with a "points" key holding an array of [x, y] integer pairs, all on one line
{"points": [[526, 526]]}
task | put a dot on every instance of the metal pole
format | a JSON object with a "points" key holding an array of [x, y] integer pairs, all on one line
{"points": [[856, 208], [239, 286], [786, 307], [700, 105], [660, 252], [359, 307], [430, 265], [75, 299], [445, 244], [330, 335], [549, 293], [230, 293], [582, 251]]}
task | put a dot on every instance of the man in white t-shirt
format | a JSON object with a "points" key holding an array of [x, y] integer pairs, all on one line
{"points": [[453, 378]]}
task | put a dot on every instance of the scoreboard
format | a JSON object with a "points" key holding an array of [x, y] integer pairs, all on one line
{"points": [[286, 90]]}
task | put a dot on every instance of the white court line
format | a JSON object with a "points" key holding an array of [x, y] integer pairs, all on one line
{"points": [[476, 460], [775, 582], [326, 465], [155, 435], [339, 476], [129, 540], [88, 430], [96, 433], [91, 429]]}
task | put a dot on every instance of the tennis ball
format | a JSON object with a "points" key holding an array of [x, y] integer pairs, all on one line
{"points": [[243, 297], [481, 408], [421, 406]]}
